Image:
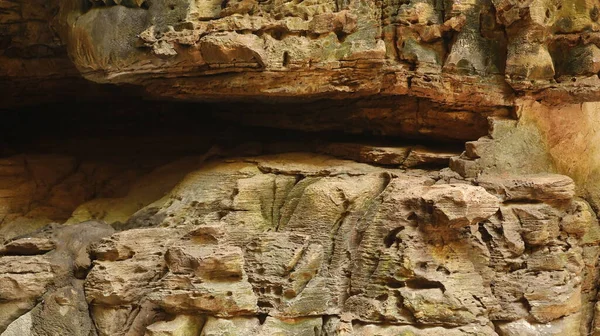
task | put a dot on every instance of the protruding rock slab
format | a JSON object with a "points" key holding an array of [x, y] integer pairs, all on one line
{"points": [[454, 206], [406, 156], [28, 246], [24, 277], [381, 155], [539, 187], [421, 156], [230, 48]]}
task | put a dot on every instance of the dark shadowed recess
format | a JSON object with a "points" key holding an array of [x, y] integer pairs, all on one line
{"points": [[126, 127]]}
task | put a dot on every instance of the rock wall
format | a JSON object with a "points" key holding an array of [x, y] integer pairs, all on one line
{"points": [[284, 167], [468, 53]]}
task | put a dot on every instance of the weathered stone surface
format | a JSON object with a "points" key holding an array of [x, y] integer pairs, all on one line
{"points": [[264, 238], [564, 326], [243, 326], [407, 156], [544, 188], [24, 277], [454, 206], [307, 326], [368, 154], [29, 245], [182, 325], [280, 266], [321, 245], [20, 326], [232, 49], [475, 53], [286, 39], [392, 330], [423, 157], [63, 311], [49, 280]]}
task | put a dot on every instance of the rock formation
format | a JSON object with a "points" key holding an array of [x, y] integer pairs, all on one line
{"points": [[299, 167]]}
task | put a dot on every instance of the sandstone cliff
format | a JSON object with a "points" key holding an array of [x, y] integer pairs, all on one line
{"points": [[299, 167]]}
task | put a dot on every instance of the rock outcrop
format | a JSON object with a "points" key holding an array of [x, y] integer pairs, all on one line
{"points": [[297, 244], [299, 167], [472, 53]]}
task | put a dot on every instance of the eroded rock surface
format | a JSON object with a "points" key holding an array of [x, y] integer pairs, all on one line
{"points": [[426, 48], [305, 244], [372, 217], [474, 53]]}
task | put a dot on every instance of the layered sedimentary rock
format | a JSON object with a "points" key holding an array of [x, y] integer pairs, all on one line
{"points": [[316, 167], [471, 53], [297, 244], [387, 47]]}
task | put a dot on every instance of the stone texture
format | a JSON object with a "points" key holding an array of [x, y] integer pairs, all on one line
{"points": [[405, 156], [543, 188], [182, 325], [452, 258], [389, 330], [524, 328], [417, 47], [474, 53], [49, 279], [317, 245], [21, 326], [455, 206], [243, 326], [348, 228]]}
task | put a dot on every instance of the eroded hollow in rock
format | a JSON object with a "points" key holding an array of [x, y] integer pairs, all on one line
{"points": [[64, 161]]}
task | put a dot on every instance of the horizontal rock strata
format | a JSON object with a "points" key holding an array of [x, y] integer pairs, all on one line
{"points": [[476, 53]]}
